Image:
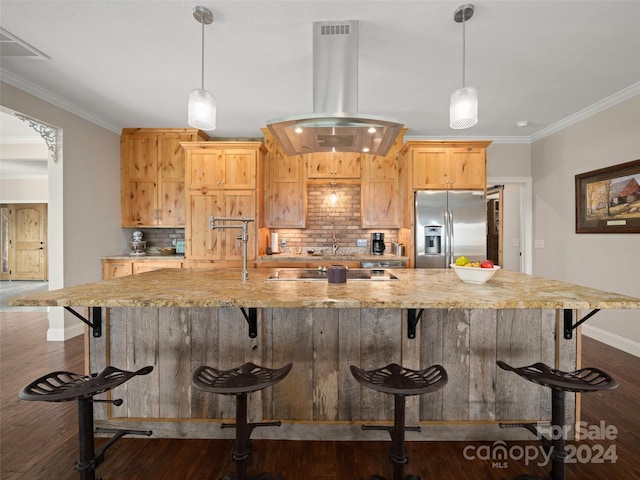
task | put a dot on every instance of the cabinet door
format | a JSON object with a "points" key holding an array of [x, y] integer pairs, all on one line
{"points": [[467, 168], [200, 241], [284, 192], [139, 174], [239, 204], [205, 168], [116, 268], [171, 178], [141, 267], [239, 168], [334, 165], [380, 204], [430, 168]]}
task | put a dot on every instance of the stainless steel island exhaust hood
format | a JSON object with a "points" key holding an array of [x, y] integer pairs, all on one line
{"points": [[335, 125]]}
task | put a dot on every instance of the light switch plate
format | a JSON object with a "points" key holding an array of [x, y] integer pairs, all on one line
{"points": [[361, 242], [539, 243]]}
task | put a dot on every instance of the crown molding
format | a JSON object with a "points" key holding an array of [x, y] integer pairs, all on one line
{"points": [[56, 100], [597, 107]]}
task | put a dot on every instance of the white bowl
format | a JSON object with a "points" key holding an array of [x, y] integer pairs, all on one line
{"points": [[474, 274]]}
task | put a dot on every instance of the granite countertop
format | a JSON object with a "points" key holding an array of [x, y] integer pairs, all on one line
{"points": [[305, 257], [415, 288]]}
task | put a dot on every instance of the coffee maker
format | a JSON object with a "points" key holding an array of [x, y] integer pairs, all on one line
{"points": [[377, 243]]}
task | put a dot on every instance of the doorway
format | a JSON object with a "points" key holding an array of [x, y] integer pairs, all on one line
{"points": [[23, 241], [515, 222]]}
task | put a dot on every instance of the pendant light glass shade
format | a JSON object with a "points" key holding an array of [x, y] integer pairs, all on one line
{"points": [[202, 110], [463, 110], [202, 104], [463, 107]]}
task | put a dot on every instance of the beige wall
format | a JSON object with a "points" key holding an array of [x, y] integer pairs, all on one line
{"points": [[509, 160], [18, 190], [604, 261]]}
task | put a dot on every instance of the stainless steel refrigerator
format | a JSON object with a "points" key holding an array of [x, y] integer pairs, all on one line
{"points": [[449, 224]]}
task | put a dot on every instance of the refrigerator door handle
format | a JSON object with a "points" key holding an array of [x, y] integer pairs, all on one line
{"points": [[451, 252], [447, 244]]}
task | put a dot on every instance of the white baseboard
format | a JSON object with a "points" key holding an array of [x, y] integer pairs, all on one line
{"points": [[611, 339], [60, 334]]}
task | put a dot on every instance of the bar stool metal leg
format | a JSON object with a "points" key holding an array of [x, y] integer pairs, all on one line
{"points": [[400, 382], [579, 381], [239, 382], [67, 386]]}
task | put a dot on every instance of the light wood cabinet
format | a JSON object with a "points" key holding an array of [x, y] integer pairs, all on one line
{"points": [[214, 165], [284, 188], [152, 172], [334, 165], [113, 268], [447, 166], [221, 181], [380, 201]]}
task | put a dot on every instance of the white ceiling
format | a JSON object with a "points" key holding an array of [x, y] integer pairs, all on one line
{"points": [[133, 63]]}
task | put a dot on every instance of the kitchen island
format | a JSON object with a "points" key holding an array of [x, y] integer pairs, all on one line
{"points": [[177, 319]]}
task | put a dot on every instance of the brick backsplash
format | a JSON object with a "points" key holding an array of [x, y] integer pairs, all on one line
{"points": [[325, 219]]}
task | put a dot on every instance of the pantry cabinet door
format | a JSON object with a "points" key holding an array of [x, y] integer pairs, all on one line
{"points": [[200, 241], [239, 204]]}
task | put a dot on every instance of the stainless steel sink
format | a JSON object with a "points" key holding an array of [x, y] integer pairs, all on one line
{"points": [[321, 274]]}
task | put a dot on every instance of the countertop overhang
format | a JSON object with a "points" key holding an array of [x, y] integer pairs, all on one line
{"points": [[416, 288]]}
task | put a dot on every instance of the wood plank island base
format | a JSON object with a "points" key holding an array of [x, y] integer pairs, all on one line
{"points": [[177, 320]]}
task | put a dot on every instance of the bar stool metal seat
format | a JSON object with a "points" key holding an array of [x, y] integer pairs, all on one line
{"points": [[579, 381], [400, 382], [239, 382], [62, 386]]}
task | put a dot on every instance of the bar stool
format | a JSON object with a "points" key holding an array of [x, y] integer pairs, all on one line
{"points": [[66, 386], [579, 381], [400, 382], [239, 382]]}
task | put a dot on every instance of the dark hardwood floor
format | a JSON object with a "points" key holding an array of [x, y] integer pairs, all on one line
{"points": [[38, 439]]}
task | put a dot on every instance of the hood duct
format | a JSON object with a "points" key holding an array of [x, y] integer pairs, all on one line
{"points": [[335, 125]]}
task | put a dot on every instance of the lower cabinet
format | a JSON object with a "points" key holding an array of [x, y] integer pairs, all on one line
{"points": [[113, 268]]}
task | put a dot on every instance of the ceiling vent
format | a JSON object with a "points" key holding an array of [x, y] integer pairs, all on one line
{"points": [[335, 125]]}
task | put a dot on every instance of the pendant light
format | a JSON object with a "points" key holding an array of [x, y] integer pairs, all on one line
{"points": [[202, 104], [463, 110]]}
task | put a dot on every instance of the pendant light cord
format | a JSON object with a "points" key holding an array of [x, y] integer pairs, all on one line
{"points": [[202, 59], [463, 47]]}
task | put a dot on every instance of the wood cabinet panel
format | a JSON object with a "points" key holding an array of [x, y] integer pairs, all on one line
{"points": [[284, 189], [116, 268], [152, 173], [221, 182], [447, 166], [334, 165], [141, 267]]}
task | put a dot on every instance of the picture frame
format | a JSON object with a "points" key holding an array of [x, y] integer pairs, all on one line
{"points": [[608, 199]]}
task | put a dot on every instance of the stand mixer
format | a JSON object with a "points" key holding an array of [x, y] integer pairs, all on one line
{"points": [[137, 245]]}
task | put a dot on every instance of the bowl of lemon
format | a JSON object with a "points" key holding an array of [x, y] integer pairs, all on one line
{"points": [[474, 272]]}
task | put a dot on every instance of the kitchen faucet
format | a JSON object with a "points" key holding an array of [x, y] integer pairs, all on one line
{"points": [[244, 237]]}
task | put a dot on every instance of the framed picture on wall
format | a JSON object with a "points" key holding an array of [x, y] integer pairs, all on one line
{"points": [[608, 199]]}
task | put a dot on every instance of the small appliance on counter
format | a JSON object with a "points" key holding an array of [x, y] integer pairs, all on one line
{"points": [[137, 245], [377, 243]]}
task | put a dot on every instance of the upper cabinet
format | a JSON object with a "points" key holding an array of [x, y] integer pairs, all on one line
{"points": [[447, 165], [284, 188], [152, 169], [334, 165], [222, 165], [380, 201]]}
